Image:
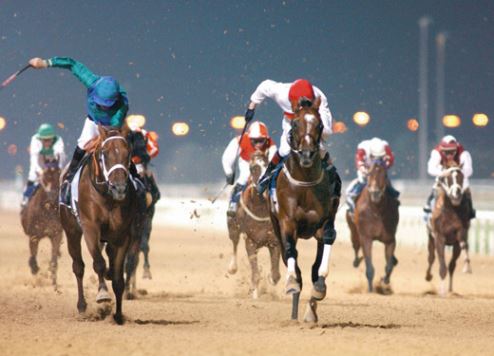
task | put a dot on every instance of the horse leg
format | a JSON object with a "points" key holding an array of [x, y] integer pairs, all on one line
{"points": [[452, 264], [320, 268], [56, 240], [391, 261], [92, 237], [354, 237], [274, 276], [131, 263], [118, 284], [432, 256], [74, 247], [144, 247], [369, 268], [234, 234], [33, 248], [252, 255], [442, 265], [464, 246]]}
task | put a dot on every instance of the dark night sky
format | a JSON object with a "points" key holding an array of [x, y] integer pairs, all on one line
{"points": [[199, 61]]}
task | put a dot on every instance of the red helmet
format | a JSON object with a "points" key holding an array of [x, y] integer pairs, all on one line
{"points": [[448, 143], [258, 130], [301, 88]]}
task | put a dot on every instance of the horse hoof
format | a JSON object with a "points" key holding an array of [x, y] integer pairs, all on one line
{"points": [[356, 261], [319, 289], [310, 315], [103, 296], [467, 269], [428, 277], [146, 274], [395, 260], [232, 269], [119, 319], [292, 286], [81, 307]]}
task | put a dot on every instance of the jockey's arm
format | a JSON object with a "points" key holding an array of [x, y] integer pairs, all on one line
{"points": [[119, 117], [229, 156], [267, 89], [35, 148], [466, 163], [360, 158], [434, 167], [79, 70], [271, 152]]}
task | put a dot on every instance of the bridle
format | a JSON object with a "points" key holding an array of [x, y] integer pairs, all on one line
{"points": [[107, 172], [452, 171]]}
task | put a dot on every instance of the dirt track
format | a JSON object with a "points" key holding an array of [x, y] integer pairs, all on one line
{"points": [[193, 307]]}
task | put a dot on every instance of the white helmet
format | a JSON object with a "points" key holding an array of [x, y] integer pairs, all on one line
{"points": [[377, 147], [258, 130]]}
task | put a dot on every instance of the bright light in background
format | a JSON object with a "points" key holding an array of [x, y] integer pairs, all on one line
{"points": [[3, 123], [60, 125], [135, 121], [480, 119], [451, 121], [237, 122], [361, 118], [339, 127], [180, 128], [413, 125]]}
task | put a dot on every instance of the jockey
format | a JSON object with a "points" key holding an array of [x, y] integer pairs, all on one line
{"points": [[368, 151], [449, 149], [145, 147], [44, 144], [300, 92], [107, 105], [256, 139]]}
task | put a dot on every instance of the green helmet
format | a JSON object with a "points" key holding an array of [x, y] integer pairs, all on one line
{"points": [[45, 131]]}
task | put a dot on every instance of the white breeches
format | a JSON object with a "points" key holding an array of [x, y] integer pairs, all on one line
{"points": [[33, 176], [244, 171], [89, 131]]}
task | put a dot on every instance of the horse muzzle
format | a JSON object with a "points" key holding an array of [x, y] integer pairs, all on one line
{"points": [[376, 195], [118, 191], [306, 158]]}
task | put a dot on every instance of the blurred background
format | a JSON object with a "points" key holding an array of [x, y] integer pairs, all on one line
{"points": [[392, 69]]}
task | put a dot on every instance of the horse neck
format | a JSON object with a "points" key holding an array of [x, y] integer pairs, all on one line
{"points": [[252, 198], [298, 172]]}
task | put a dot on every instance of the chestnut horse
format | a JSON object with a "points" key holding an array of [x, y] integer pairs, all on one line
{"points": [[304, 205], [253, 222], [449, 224], [40, 217], [376, 218], [107, 208]]}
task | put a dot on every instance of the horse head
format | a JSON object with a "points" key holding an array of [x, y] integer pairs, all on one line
{"points": [[306, 131], [377, 180], [451, 182], [257, 165], [50, 176], [113, 154]]}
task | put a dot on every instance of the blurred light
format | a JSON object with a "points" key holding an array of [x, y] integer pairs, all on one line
{"points": [[339, 127], [135, 121], [180, 128], [413, 125], [480, 119], [19, 170], [61, 125], [451, 121], [12, 149], [3, 123], [237, 122], [361, 118]]}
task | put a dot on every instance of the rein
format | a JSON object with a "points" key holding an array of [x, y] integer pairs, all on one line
{"points": [[250, 213]]}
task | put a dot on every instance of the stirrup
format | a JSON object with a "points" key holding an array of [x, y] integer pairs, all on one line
{"points": [[232, 209], [64, 197]]}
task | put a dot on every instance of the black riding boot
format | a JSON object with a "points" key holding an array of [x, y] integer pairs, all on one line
{"points": [[264, 181], [334, 177], [71, 171], [472, 211], [428, 208]]}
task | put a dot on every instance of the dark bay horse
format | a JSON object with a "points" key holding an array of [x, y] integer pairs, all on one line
{"points": [[304, 206], [107, 208], [376, 218], [253, 222], [40, 217], [141, 244], [449, 224]]}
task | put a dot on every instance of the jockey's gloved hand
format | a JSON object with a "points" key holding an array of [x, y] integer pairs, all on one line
{"points": [[230, 178], [249, 115]]}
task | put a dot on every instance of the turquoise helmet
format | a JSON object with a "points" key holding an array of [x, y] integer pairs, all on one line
{"points": [[45, 131]]}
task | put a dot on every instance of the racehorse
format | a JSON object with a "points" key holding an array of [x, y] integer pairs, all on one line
{"points": [[304, 205], [40, 217], [449, 224], [376, 218], [142, 242], [254, 223], [106, 209]]}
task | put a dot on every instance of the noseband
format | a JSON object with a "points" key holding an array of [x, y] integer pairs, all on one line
{"points": [[450, 188], [106, 171]]}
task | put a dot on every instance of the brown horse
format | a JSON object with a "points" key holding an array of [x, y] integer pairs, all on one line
{"points": [[376, 218], [253, 222], [304, 205], [449, 224], [40, 217], [106, 208]]}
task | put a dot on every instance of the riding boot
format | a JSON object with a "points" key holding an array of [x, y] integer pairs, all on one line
{"points": [[140, 188], [428, 205], [153, 188], [71, 171], [334, 177], [234, 200], [472, 212], [266, 177], [392, 192], [28, 192], [353, 193]]}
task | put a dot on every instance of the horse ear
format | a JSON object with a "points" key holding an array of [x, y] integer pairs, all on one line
{"points": [[102, 131], [317, 103], [125, 130], [295, 106]]}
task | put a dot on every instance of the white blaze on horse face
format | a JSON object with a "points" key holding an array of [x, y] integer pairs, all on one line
{"points": [[324, 267], [309, 118]]}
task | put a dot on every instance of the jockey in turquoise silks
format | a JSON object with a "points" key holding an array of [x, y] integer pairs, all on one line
{"points": [[107, 105]]}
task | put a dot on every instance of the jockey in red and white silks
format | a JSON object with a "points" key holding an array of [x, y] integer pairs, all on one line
{"points": [[256, 139], [367, 152], [449, 149]]}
